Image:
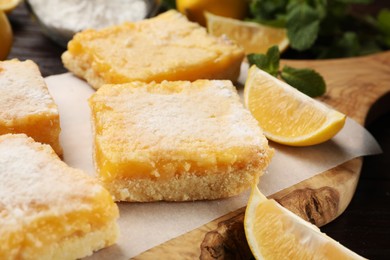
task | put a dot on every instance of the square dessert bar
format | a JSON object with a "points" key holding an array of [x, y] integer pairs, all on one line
{"points": [[165, 47], [176, 141], [49, 210], [26, 105]]}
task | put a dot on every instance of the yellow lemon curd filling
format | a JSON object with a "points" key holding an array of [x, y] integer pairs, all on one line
{"points": [[47, 209], [167, 47], [34, 233], [26, 105], [175, 131]]}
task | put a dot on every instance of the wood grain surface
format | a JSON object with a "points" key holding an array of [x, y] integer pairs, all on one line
{"points": [[364, 227]]}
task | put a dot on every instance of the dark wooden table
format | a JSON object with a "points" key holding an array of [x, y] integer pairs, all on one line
{"points": [[364, 227]]}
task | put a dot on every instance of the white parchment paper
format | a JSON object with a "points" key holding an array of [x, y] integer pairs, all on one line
{"points": [[145, 225]]}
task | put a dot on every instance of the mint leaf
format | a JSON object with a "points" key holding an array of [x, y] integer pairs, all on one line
{"points": [[386, 41], [307, 81], [384, 21], [269, 12], [349, 43], [267, 9], [258, 59], [279, 21], [303, 24], [273, 56], [322, 28], [355, 1], [268, 62]]}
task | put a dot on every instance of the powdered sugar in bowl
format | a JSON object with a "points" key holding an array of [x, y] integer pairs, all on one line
{"points": [[61, 19]]}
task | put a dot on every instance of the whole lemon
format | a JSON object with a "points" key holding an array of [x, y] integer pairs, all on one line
{"points": [[194, 9], [9, 5], [5, 36]]}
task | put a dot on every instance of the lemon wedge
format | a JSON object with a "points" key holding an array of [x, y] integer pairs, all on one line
{"points": [[286, 115], [5, 36], [9, 5], [253, 37], [194, 9], [274, 232]]}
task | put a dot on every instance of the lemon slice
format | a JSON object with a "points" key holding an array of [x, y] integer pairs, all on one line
{"points": [[274, 232], [253, 37], [8, 5], [5, 36], [286, 115]]}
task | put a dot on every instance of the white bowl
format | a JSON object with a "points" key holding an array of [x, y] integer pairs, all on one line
{"points": [[61, 19]]}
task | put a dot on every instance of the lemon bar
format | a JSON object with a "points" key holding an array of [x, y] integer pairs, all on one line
{"points": [[47, 209], [26, 105], [166, 47], [175, 141]]}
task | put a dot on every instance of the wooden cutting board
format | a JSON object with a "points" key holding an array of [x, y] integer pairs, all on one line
{"points": [[354, 85]]}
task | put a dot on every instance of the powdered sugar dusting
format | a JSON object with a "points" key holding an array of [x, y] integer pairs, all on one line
{"points": [[34, 181], [199, 115], [23, 91]]}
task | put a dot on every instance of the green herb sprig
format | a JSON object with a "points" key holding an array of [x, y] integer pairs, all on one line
{"points": [[305, 80], [326, 28]]}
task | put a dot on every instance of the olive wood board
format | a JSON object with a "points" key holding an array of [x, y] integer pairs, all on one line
{"points": [[353, 86]]}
